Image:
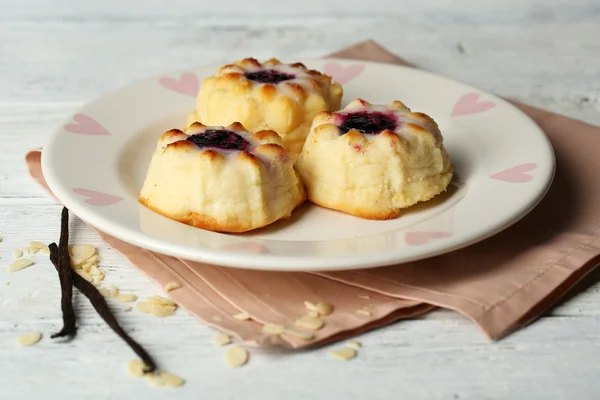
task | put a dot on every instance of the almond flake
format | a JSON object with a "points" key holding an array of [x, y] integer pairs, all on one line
{"points": [[18, 253], [36, 245], [221, 339], [313, 314], [303, 335], [19, 264], [32, 250], [236, 356], [321, 308], [113, 291], [243, 316], [98, 278], [126, 297], [93, 270], [161, 300], [309, 322], [80, 253], [136, 368], [29, 339], [172, 286], [84, 275], [159, 379], [273, 329], [45, 251], [154, 379], [353, 344], [343, 354], [366, 313], [155, 309], [90, 263], [104, 292], [364, 296], [171, 380], [25, 251]]}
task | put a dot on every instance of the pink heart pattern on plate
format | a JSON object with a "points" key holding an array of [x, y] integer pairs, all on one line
{"points": [[516, 174], [96, 198], [341, 74], [420, 238], [470, 104], [86, 125], [186, 84], [247, 247]]}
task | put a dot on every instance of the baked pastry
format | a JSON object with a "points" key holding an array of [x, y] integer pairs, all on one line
{"points": [[280, 97], [222, 179], [373, 160]]}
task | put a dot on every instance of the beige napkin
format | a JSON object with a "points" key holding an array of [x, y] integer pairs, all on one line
{"points": [[501, 283]]}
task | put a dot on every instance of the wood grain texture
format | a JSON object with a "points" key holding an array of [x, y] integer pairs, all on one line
{"points": [[57, 54]]}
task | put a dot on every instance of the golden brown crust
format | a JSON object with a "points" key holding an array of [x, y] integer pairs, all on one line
{"points": [[196, 126], [202, 221], [212, 155], [236, 126], [266, 134], [250, 158], [171, 134], [268, 91], [181, 145]]}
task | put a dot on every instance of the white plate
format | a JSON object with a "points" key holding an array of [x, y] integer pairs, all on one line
{"points": [[96, 163]]}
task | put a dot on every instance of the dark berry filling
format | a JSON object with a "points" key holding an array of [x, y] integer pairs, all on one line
{"points": [[368, 122], [269, 76], [220, 139]]}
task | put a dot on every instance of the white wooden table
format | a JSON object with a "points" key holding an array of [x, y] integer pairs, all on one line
{"points": [[56, 54]]}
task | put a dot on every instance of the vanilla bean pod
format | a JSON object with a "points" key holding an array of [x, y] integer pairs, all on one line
{"points": [[59, 256], [63, 267]]}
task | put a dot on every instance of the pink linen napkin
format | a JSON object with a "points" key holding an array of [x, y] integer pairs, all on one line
{"points": [[501, 284]]}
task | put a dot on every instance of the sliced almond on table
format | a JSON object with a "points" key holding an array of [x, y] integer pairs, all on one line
{"points": [[309, 322], [155, 309], [161, 300], [113, 291], [46, 251], [273, 329], [242, 316], [104, 292], [171, 380], [126, 297], [221, 339], [364, 312], [353, 344], [136, 368], [80, 253], [29, 339], [18, 253], [33, 250], [37, 245], [84, 275], [172, 286], [236, 356], [19, 264], [343, 354]]}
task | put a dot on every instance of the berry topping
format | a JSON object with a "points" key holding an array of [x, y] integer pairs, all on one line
{"points": [[220, 139], [268, 76], [368, 122]]}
